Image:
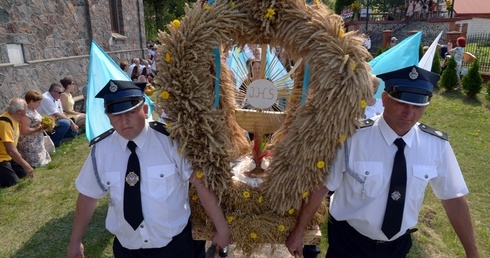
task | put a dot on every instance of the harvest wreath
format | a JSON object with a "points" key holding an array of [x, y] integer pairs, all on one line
{"points": [[197, 93]]}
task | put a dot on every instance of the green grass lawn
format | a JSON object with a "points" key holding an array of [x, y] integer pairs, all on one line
{"points": [[36, 215]]}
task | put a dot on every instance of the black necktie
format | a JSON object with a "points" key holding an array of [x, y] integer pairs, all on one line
{"points": [[396, 196], [132, 194]]}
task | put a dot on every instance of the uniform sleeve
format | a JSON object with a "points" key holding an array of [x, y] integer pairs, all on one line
{"points": [[87, 183], [450, 182]]}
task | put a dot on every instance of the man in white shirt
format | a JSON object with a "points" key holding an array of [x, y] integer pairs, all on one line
{"points": [[51, 106], [361, 175], [162, 228], [135, 62]]}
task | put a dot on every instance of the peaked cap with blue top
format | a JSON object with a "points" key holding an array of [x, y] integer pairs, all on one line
{"points": [[410, 85]]}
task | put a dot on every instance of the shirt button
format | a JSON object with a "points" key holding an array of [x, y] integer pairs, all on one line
{"points": [[426, 176], [161, 175], [367, 173], [108, 183], [146, 241], [142, 226]]}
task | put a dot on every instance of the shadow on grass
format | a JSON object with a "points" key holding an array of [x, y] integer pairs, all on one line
{"points": [[458, 95], [53, 238]]}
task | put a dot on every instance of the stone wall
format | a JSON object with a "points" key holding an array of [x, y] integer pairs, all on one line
{"points": [[56, 36]]}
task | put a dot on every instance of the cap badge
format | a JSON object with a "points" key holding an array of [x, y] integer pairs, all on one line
{"points": [[413, 74], [113, 87]]}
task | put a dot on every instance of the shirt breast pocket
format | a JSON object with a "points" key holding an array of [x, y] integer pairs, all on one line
{"points": [[421, 176], [113, 183], [369, 178], [161, 180]]}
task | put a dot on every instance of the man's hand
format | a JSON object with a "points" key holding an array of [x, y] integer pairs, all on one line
{"points": [[222, 239], [294, 242], [74, 126], [30, 171], [75, 250]]}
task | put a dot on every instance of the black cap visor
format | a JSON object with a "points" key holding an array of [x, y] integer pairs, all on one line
{"points": [[123, 105], [410, 98]]}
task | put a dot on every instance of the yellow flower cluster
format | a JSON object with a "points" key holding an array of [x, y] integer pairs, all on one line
{"points": [[199, 173], [48, 123], [305, 194], [281, 228], [342, 138], [164, 94], [246, 194], [320, 164], [176, 24], [363, 103], [270, 13]]}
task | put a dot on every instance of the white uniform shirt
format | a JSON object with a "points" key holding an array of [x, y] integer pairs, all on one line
{"points": [[164, 187], [49, 105], [430, 159]]}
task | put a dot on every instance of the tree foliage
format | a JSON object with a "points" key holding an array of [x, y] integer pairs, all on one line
{"points": [[472, 81], [449, 78], [159, 13], [436, 64], [342, 4]]}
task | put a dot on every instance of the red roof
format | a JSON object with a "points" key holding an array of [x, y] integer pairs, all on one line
{"points": [[464, 7]]}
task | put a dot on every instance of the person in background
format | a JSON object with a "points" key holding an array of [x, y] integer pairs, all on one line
{"points": [[457, 53], [135, 63], [68, 103], [374, 106], [12, 165], [149, 210], [393, 41], [124, 66], [135, 73], [51, 106], [31, 141], [392, 147], [367, 41]]}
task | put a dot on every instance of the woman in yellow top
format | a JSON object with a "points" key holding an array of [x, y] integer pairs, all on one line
{"points": [[68, 103]]}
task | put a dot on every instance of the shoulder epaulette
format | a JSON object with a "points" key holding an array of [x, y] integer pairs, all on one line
{"points": [[159, 127], [101, 137], [433, 131], [366, 123]]}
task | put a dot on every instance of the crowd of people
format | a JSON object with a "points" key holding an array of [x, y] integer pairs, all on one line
{"points": [[23, 128], [421, 9]]}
